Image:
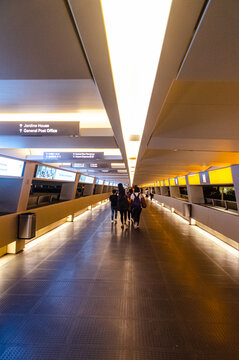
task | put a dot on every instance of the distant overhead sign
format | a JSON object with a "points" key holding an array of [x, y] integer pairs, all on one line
{"points": [[78, 165], [44, 128], [73, 155], [86, 179]]}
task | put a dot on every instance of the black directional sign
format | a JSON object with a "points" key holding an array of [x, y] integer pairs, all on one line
{"points": [[73, 155], [44, 128]]}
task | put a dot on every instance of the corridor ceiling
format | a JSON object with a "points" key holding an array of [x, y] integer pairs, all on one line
{"points": [[55, 60]]}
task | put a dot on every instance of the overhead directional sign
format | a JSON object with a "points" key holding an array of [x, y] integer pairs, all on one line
{"points": [[44, 128], [73, 155]]}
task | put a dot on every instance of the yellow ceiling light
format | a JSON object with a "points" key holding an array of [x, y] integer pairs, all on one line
{"points": [[135, 32]]}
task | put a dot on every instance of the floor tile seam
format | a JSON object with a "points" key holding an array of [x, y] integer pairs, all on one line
{"points": [[135, 347], [33, 343], [32, 269], [29, 312], [38, 304], [180, 320], [2, 315], [103, 255], [197, 246], [120, 346], [30, 317], [133, 297], [136, 321], [76, 346], [45, 258], [47, 291], [121, 316], [88, 239], [130, 348]]}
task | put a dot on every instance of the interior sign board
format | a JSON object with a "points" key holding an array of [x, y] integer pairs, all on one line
{"points": [[73, 155], [44, 128], [78, 165], [88, 155], [49, 173], [86, 179], [11, 167], [204, 178]]}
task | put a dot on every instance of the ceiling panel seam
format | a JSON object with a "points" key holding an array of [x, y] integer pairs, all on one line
{"points": [[197, 26], [74, 23]]}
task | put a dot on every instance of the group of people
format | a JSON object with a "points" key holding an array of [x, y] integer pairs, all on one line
{"points": [[129, 203]]}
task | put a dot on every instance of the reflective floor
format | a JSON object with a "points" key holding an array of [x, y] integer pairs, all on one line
{"points": [[94, 292]]}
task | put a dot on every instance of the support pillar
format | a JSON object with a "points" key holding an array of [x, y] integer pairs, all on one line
{"points": [[195, 193]]}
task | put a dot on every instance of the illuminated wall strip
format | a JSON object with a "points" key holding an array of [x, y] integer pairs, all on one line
{"points": [[182, 180], [172, 182], [221, 176], [213, 177], [194, 179]]}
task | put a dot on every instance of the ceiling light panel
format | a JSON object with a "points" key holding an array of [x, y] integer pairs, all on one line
{"points": [[135, 32], [117, 165]]}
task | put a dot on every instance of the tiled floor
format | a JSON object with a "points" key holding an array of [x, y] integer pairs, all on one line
{"points": [[95, 292]]}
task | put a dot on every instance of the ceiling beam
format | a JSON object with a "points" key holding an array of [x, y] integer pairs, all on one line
{"points": [[218, 145], [90, 24]]}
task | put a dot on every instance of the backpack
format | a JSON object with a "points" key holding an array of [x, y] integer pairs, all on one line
{"points": [[143, 202], [123, 203], [136, 202]]}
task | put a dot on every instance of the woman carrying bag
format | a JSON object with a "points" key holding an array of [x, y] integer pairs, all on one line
{"points": [[138, 202]]}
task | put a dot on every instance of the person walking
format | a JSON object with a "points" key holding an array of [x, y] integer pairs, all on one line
{"points": [[130, 192], [114, 206], [123, 205], [136, 206], [151, 195]]}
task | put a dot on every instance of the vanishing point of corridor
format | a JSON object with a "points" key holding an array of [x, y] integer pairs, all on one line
{"points": [[94, 292]]}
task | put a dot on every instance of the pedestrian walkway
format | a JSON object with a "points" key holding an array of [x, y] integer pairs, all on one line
{"points": [[94, 292]]}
